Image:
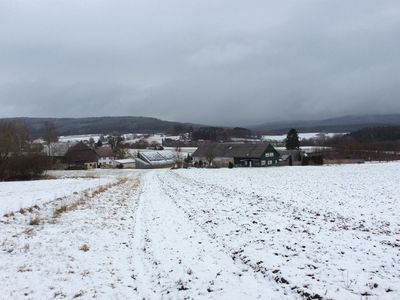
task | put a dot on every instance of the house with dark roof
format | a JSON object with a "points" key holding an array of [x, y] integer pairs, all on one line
{"points": [[238, 155], [82, 156]]}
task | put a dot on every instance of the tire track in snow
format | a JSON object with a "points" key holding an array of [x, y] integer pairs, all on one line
{"points": [[223, 241], [287, 248], [177, 259]]}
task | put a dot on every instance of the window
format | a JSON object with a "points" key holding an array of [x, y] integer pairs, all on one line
{"points": [[263, 162], [270, 162], [269, 154]]}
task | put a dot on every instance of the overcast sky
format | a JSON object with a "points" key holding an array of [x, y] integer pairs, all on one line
{"points": [[221, 62]]}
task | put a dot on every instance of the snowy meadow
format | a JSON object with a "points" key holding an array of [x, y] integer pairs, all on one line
{"points": [[317, 232]]}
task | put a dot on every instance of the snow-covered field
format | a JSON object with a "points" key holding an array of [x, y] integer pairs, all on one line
{"points": [[17, 195], [302, 136], [330, 232], [78, 138]]}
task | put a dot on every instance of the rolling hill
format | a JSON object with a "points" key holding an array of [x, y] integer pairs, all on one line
{"points": [[105, 125], [340, 124]]}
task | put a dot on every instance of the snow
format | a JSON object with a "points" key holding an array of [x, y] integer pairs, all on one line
{"points": [[260, 233], [125, 161], [78, 138], [153, 138], [302, 136], [306, 149], [46, 261], [16, 195]]}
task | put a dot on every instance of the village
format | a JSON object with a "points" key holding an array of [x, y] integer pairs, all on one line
{"points": [[140, 151]]}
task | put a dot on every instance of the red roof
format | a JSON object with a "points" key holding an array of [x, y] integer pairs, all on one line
{"points": [[104, 152]]}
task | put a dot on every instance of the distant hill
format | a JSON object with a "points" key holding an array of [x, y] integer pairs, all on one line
{"points": [[340, 124], [104, 125], [376, 134], [120, 125]]}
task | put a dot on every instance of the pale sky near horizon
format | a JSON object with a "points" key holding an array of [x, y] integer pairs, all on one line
{"points": [[211, 62]]}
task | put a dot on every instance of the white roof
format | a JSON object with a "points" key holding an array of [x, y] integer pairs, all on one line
{"points": [[125, 161], [160, 157]]}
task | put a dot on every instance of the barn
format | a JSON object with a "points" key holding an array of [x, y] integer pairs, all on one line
{"points": [[81, 156], [238, 155]]}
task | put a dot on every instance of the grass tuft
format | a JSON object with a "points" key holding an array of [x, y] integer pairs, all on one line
{"points": [[34, 221], [84, 248]]}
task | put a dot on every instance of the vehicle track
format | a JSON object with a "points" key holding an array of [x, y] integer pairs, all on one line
{"points": [[183, 260]]}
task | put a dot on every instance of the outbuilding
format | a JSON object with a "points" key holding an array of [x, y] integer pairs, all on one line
{"points": [[127, 163]]}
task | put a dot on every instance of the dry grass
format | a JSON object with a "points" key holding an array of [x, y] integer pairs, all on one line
{"points": [[59, 211], [77, 295], [48, 177], [84, 248], [34, 221], [86, 195], [24, 268], [7, 215]]}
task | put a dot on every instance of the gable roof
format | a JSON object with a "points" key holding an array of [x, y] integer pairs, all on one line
{"points": [[80, 147], [104, 152], [232, 150], [81, 153]]}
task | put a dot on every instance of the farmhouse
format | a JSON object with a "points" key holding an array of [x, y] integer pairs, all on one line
{"points": [[238, 155], [82, 156], [105, 156]]}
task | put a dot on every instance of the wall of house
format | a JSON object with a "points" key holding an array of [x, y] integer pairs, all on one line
{"points": [[270, 157], [131, 165], [90, 165], [105, 160], [219, 162]]}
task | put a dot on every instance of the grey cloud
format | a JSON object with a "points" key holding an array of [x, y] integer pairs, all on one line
{"points": [[217, 62]]}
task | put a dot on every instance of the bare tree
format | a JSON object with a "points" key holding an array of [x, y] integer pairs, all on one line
{"points": [[210, 156], [19, 159], [13, 137], [91, 142], [49, 135]]}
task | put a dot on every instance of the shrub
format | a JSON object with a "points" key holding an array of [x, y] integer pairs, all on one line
{"points": [[22, 167]]}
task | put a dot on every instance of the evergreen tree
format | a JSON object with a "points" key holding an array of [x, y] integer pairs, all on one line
{"points": [[292, 140]]}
